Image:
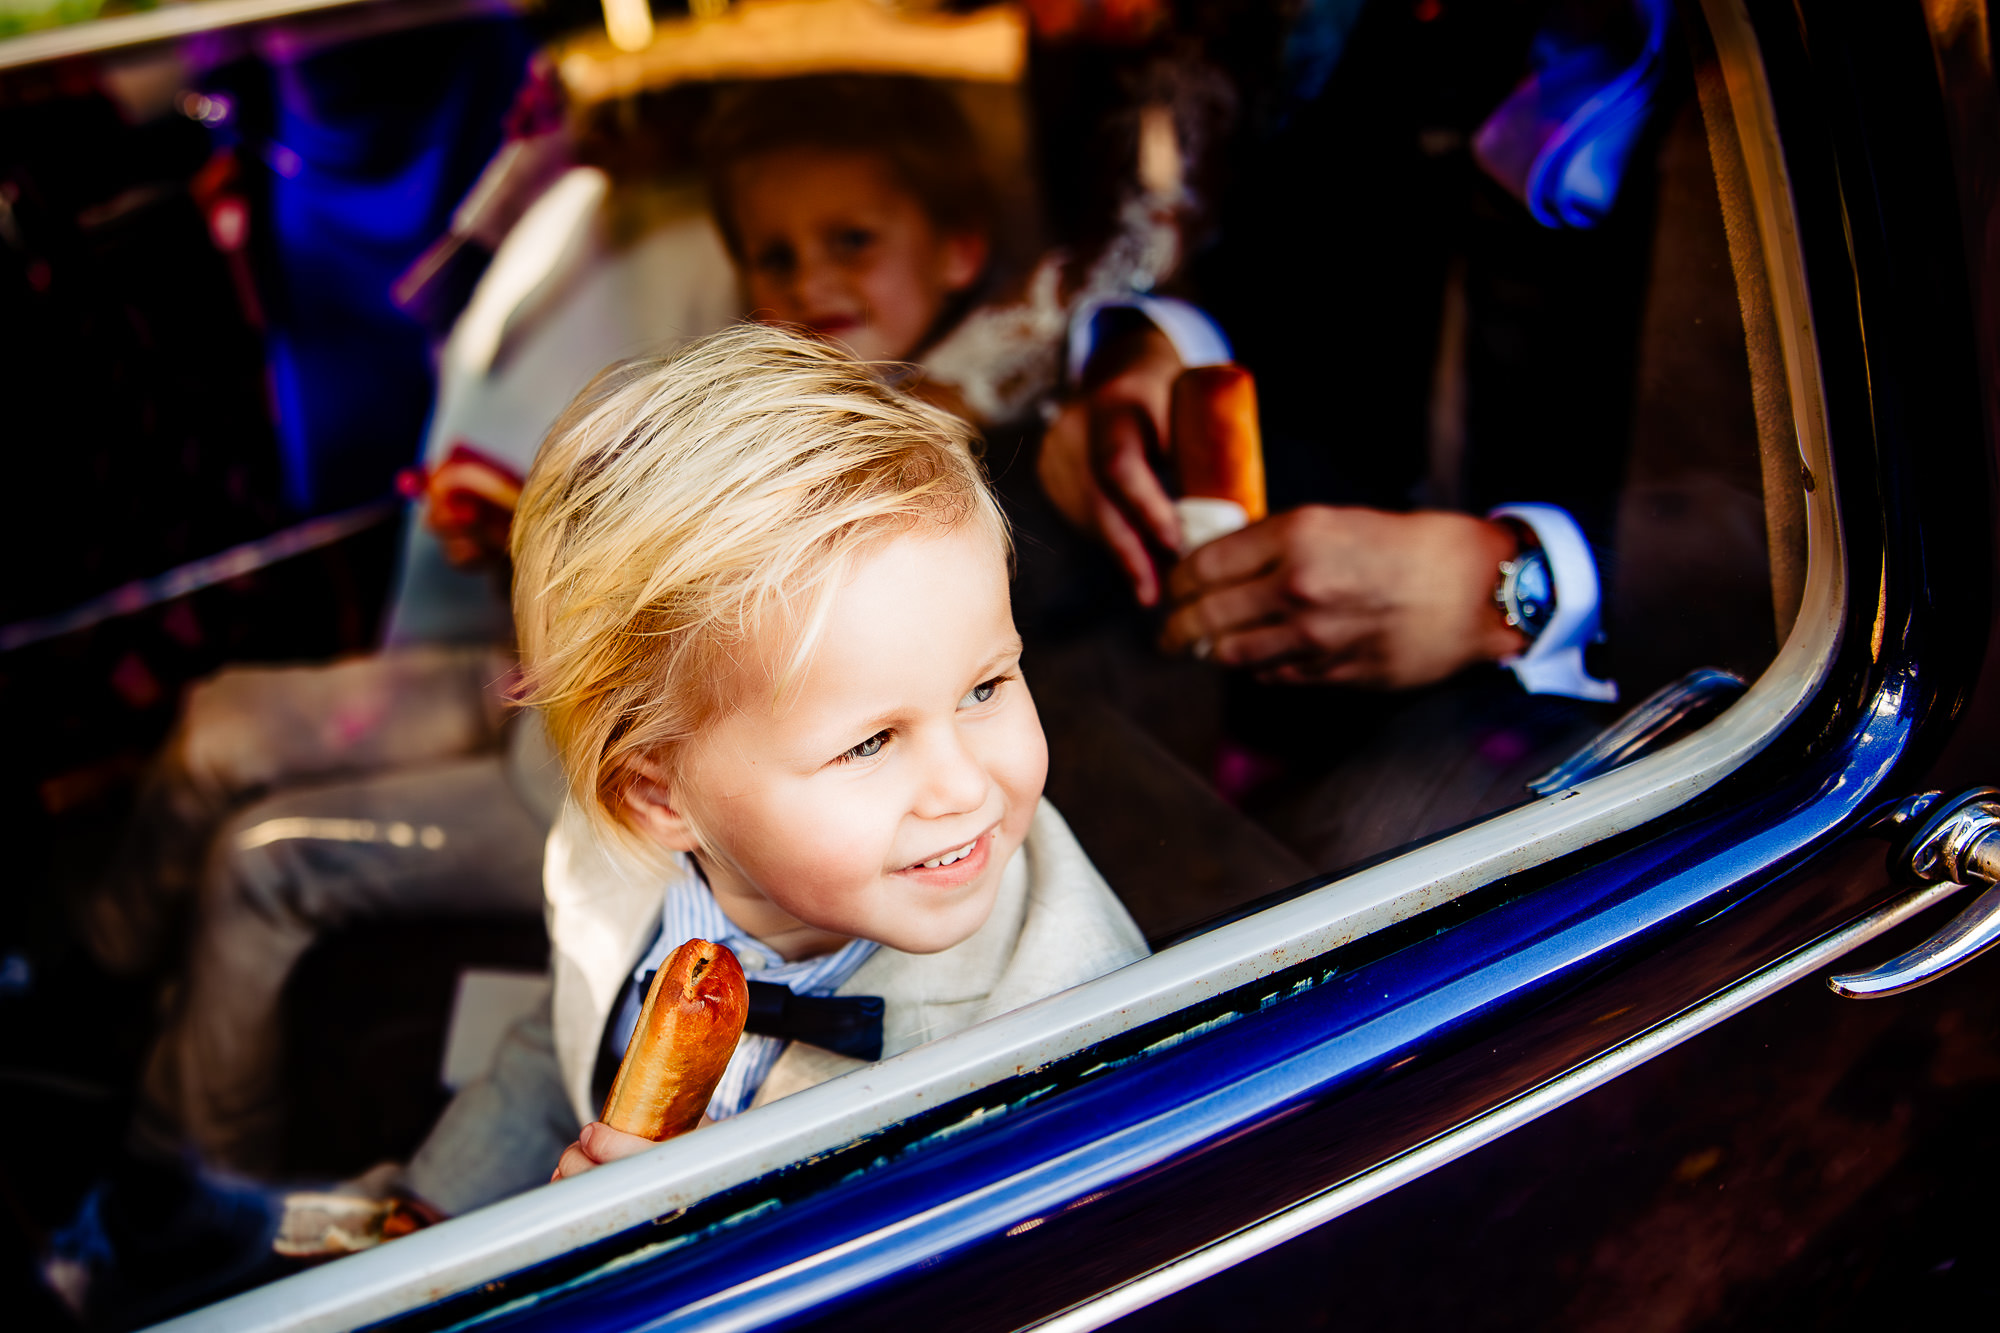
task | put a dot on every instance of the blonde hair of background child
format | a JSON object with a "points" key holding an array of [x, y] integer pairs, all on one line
{"points": [[683, 504]]}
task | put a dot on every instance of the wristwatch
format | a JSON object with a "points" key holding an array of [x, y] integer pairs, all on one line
{"points": [[1526, 593]]}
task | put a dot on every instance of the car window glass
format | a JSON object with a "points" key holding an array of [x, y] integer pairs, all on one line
{"points": [[1427, 347]]}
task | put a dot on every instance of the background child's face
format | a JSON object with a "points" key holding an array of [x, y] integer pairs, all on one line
{"points": [[832, 240], [912, 738]]}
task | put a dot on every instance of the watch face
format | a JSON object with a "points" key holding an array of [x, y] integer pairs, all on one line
{"points": [[1529, 594]]}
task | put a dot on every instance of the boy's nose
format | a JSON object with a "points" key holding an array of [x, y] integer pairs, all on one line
{"points": [[955, 781], [821, 285]]}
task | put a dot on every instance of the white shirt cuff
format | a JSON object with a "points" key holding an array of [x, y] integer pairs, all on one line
{"points": [[1196, 337], [1553, 664]]}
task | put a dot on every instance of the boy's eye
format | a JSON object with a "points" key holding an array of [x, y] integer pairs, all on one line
{"points": [[776, 261], [980, 693], [869, 748], [848, 242]]}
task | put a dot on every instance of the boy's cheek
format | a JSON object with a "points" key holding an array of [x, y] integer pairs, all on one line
{"points": [[817, 861], [1023, 765], [770, 304]]}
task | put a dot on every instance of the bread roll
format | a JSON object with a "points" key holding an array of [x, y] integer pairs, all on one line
{"points": [[1217, 452], [686, 1033]]}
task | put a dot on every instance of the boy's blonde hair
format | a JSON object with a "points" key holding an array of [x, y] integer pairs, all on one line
{"points": [[683, 503]]}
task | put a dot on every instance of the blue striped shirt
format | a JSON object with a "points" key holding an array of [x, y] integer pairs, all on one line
{"points": [[688, 911]]}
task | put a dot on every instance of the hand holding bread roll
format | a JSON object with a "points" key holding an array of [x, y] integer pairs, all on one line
{"points": [[688, 1029], [1217, 453]]}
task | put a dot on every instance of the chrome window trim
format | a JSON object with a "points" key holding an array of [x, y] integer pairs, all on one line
{"points": [[513, 1235]]}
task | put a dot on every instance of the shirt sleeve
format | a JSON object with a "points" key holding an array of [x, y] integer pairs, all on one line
{"points": [[1197, 338], [1554, 663]]}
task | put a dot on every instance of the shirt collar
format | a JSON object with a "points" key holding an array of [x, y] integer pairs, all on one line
{"points": [[689, 911]]}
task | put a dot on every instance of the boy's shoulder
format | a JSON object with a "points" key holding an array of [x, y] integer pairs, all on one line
{"points": [[600, 903], [1075, 927], [1055, 924], [1062, 873]]}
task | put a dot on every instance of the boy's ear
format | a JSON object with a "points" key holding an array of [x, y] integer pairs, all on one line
{"points": [[965, 255], [649, 799]]}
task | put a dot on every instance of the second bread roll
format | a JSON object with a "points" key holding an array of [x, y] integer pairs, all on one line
{"points": [[1218, 452]]}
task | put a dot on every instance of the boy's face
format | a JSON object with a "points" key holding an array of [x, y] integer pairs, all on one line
{"points": [[911, 738], [833, 241]]}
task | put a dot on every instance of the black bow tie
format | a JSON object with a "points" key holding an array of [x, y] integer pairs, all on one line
{"points": [[843, 1024]]}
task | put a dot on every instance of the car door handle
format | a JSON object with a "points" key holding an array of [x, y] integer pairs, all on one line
{"points": [[1953, 843]]}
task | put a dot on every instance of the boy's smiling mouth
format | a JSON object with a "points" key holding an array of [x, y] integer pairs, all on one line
{"points": [[954, 864], [957, 854]]}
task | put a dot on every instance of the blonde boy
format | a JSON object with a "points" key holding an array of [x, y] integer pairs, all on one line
{"points": [[764, 608]]}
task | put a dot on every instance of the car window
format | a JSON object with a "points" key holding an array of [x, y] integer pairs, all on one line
{"points": [[1666, 363]]}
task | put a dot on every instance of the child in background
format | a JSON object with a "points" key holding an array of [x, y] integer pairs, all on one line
{"points": [[763, 601], [856, 208]]}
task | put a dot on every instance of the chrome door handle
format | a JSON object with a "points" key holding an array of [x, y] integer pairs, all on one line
{"points": [[1953, 844]]}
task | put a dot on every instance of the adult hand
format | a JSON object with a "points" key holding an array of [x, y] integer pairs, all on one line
{"points": [[1347, 596], [1096, 462], [600, 1143]]}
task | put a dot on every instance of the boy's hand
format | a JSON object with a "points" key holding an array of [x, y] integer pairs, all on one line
{"points": [[1347, 596], [600, 1143], [468, 502], [1096, 462]]}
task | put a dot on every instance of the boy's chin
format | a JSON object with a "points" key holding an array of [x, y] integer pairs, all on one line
{"points": [[869, 343], [868, 349], [932, 942], [927, 937]]}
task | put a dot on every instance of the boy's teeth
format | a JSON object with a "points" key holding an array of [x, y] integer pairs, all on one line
{"points": [[949, 857]]}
